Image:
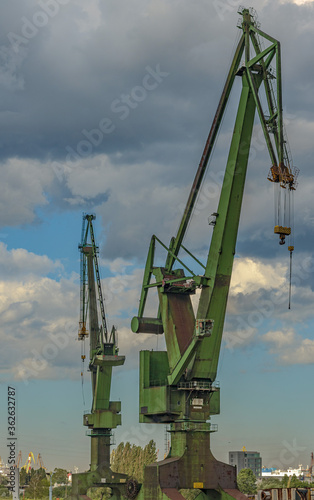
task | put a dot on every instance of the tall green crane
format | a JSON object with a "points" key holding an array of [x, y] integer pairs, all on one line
{"points": [[177, 386], [103, 356]]}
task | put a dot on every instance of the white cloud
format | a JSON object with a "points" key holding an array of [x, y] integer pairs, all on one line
{"points": [[250, 275], [281, 339], [18, 262], [302, 2], [41, 315], [259, 296], [289, 347]]}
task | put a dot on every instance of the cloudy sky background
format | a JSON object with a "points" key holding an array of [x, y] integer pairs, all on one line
{"points": [[73, 141]]}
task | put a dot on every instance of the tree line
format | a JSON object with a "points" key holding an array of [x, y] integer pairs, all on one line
{"points": [[248, 484], [127, 458]]}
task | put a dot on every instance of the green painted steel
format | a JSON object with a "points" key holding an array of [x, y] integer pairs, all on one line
{"points": [[213, 299], [177, 385]]}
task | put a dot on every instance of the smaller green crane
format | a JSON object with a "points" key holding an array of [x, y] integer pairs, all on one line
{"points": [[103, 356]]}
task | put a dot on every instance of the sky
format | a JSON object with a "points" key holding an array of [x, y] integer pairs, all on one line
{"points": [[105, 109]]}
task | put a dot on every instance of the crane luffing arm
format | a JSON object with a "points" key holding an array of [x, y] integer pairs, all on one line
{"points": [[87, 228], [83, 302], [100, 295], [176, 242]]}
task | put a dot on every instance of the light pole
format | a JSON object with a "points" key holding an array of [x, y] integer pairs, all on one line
{"points": [[50, 487]]}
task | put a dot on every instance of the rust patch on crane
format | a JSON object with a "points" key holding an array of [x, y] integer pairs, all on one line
{"points": [[183, 318], [222, 280], [235, 494], [172, 493]]}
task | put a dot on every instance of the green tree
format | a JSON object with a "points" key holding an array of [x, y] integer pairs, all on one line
{"points": [[149, 455], [131, 459], [37, 488], [41, 473], [22, 477], [61, 491], [59, 476], [4, 492], [3, 480], [297, 483], [268, 483], [246, 482], [99, 493], [116, 458]]}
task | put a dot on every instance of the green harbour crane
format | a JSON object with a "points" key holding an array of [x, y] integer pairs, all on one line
{"points": [[103, 356], [178, 386]]}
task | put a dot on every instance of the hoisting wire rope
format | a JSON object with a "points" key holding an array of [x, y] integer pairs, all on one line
{"points": [[291, 248], [290, 280], [82, 370]]}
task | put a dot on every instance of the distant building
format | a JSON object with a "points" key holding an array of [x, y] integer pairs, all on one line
{"points": [[246, 460], [279, 474]]}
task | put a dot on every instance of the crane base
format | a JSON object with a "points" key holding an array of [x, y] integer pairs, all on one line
{"points": [[103, 477]]}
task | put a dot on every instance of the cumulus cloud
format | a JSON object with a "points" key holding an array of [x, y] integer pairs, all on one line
{"points": [[18, 263], [250, 275], [259, 297], [289, 347], [40, 316]]}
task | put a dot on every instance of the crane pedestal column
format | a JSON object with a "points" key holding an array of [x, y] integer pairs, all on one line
{"points": [[100, 450], [190, 465]]}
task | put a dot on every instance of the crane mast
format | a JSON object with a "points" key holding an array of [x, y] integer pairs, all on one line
{"points": [[177, 386]]}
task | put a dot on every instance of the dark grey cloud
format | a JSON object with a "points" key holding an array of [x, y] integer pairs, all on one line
{"points": [[139, 82]]}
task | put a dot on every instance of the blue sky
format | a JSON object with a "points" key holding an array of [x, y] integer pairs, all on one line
{"points": [[74, 141]]}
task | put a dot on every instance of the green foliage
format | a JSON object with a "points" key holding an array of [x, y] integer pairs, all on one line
{"points": [[61, 491], [297, 483], [246, 482], [131, 459], [3, 480], [99, 493], [37, 488], [59, 476], [39, 472], [4, 492], [267, 483], [23, 477]]}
